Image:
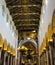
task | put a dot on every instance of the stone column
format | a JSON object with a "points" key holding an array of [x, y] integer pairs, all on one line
{"points": [[0, 53], [47, 56], [18, 57], [50, 54], [11, 59], [8, 58], [4, 57]]}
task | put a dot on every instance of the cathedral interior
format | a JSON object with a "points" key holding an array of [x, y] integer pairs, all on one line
{"points": [[27, 32]]}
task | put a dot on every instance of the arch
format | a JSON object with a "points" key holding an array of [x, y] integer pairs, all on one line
{"points": [[1, 41], [49, 33], [53, 21], [5, 44], [33, 42], [11, 50], [8, 48]]}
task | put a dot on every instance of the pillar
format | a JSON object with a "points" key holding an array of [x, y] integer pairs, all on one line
{"points": [[8, 58], [4, 57], [0, 56], [11, 59], [50, 51], [47, 55]]}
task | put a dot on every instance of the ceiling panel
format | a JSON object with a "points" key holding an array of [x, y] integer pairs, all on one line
{"points": [[25, 13]]}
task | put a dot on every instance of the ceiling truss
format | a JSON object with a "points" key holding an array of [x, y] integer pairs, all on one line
{"points": [[25, 13]]}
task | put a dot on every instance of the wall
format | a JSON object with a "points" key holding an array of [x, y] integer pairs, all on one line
{"points": [[46, 18], [5, 27]]}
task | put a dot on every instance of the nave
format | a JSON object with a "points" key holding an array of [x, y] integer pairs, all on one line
{"points": [[27, 32]]}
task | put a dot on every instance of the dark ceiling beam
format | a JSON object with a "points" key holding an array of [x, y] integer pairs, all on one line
{"points": [[30, 26], [36, 9], [26, 20], [33, 13], [26, 16], [26, 25], [19, 6], [32, 22], [8, 1], [31, 9], [36, 1], [27, 30], [15, 10], [19, 12], [11, 2], [34, 16]]}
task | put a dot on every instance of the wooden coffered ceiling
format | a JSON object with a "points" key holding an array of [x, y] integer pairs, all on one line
{"points": [[25, 13]]}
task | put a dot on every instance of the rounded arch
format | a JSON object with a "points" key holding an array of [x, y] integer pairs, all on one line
{"points": [[1, 41], [8, 48], [33, 42], [5, 44], [53, 21]]}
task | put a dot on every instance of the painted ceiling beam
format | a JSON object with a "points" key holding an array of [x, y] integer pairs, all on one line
{"points": [[28, 5], [33, 13], [26, 25], [27, 20]]}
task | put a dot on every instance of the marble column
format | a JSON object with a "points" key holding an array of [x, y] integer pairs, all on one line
{"points": [[47, 56], [11, 59], [4, 57], [8, 58], [0, 56], [50, 55]]}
